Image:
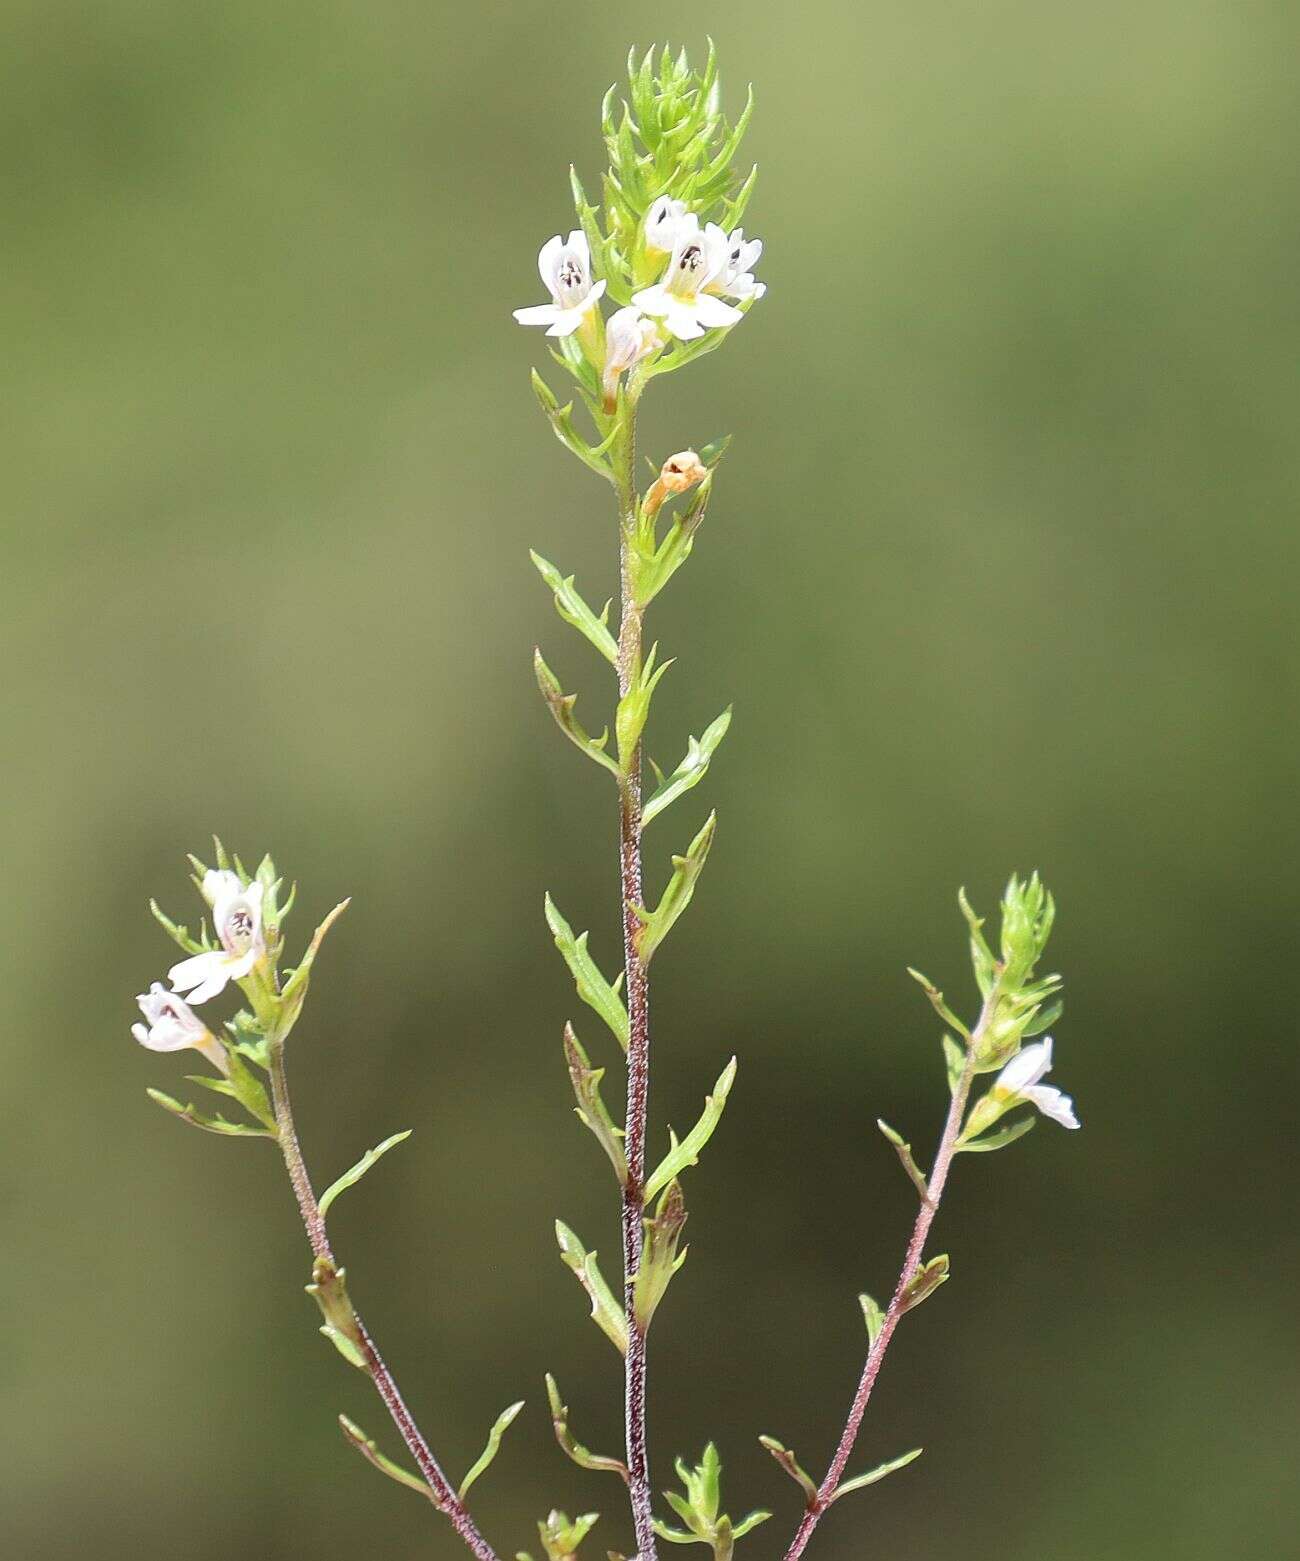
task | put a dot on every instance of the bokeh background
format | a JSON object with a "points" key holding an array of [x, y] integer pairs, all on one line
{"points": [[1001, 574]]}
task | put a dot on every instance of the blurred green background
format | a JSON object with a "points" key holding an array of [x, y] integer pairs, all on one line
{"points": [[1000, 574]]}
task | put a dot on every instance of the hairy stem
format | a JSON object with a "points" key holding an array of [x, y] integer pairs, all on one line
{"points": [[441, 1491], [818, 1504], [638, 1011]]}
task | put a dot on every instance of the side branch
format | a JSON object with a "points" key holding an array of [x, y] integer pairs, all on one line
{"points": [[825, 1493], [441, 1492]]}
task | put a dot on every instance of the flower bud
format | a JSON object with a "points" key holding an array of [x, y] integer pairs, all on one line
{"points": [[678, 474]]}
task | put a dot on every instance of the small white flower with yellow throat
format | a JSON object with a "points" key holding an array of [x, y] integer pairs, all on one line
{"points": [[237, 916], [683, 300], [173, 1025], [565, 267]]}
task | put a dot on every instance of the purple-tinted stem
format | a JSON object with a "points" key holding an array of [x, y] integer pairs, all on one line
{"points": [[818, 1504], [441, 1491], [638, 1015]]}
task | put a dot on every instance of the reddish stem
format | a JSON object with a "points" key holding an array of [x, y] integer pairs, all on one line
{"points": [[818, 1504], [441, 1491]]}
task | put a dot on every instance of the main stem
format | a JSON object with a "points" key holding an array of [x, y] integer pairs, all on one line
{"points": [[876, 1354], [441, 1491], [638, 1011]]}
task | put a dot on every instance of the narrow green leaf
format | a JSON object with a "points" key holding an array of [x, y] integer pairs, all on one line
{"points": [[634, 708], [561, 706], [592, 987], [937, 1003], [606, 1312], [350, 1178], [752, 1520], [484, 1459], [657, 924], [925, 1282], [295, 988], [561, 421], [872, 1316], [786, 1458], [998, 1140], [571, 607], [904, 1151], [687, 1152], [574, 1449], [879, 1473], [591, 1110], [691, 771], [660, 1258], [370, 1452], [329, 1291], [179, 935], [208, 1124], [954, 1058]]}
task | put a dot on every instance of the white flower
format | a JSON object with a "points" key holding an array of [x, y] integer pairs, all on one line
{"points": [[699, 257], [220, 884], [1019, 1081], [663, 222], [237, 915], [737, 279], [629, 337], [173, 1025], [566, 274]]}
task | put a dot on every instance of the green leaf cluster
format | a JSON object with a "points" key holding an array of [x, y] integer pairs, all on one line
{"points": [[699, 1509]]}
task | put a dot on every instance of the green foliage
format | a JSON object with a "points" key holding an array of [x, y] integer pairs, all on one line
{"points": [[787, 1460], [571, 607], [655, 562], [595, 456], [860, 1481], [591, 1110], [591, 985], [574, 1449], [634, 708], [369, 1450], [904, 1150], [1016, 1004], [687, 1152], [656, 925], [699, 1509], [561, 707], [328, 1289], [351, 1177], [667, 137], [872, 1316], [196, 1118], [660, 1258], [607, 1313], [560, 1537], [924, 1282], [485, 1458], [691, 771]]}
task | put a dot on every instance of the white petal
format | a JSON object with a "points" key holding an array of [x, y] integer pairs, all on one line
{"points": [[567, 321], [219, 884], [598, 291], [681, 321], [1026, 1068], [1052, 1103], [653, 300], [578, 244], [713, 312], [547, 259], [141, 1033], [193, 971], [212, 987], [536, 314]]}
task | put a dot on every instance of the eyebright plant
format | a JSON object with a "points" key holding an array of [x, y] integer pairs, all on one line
{"points": [[664, 246]]}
